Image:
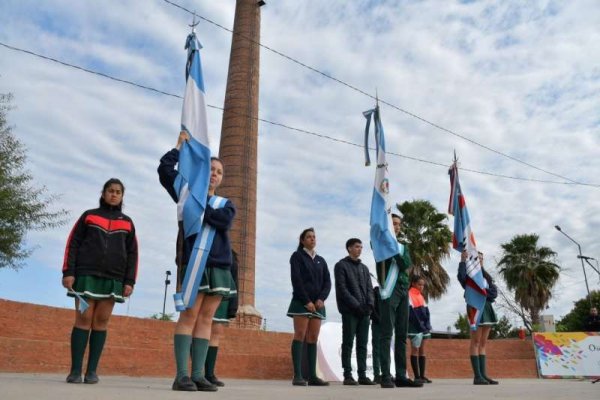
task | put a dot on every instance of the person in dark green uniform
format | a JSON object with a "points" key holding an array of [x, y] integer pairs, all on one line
{"points": [[376, 335], [394, 316]]}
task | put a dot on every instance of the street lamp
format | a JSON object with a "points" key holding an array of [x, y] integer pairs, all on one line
{"points": [[167, 282], [587, 260], [581, 258]]}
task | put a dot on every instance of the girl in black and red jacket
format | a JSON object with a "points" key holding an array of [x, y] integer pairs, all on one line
{"points": [[100, 265]]}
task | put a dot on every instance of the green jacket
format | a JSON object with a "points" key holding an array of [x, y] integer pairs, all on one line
{"points": [[404, 262]]}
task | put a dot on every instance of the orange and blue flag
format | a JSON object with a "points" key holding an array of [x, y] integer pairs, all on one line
{"points": [[463, 239]]}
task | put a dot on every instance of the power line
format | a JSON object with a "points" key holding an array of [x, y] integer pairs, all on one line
{"points": [[356, 89], [423, 160], [87, 70], [288, 127]]}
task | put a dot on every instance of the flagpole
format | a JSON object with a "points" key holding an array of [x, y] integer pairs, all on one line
{"points": [[194, 23]]}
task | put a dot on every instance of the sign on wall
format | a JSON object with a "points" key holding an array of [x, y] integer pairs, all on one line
{"points": [[568, 354]]}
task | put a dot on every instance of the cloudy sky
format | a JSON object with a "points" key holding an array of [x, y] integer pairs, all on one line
{"points": [[520, 78]]}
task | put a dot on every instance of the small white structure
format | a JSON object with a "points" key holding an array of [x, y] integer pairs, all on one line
{"points": [[548, 323]]}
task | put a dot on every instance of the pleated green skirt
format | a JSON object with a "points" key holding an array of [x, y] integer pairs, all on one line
{"points": [[95, 288], [488, 317], [296, 308], [217, 282]]}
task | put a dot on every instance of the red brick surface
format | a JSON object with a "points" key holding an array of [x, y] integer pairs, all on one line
{"points": [[35, 338], [239, 146]]}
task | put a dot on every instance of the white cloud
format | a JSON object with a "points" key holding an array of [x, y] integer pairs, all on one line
{"points": [[522, 79]]}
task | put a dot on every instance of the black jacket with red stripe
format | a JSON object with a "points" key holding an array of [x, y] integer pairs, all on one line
{"points": [[102, 243]]}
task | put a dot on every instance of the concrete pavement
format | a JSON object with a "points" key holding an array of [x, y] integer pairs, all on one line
{"points": [[53, 387]]}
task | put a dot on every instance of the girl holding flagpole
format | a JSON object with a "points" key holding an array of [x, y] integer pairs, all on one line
{"points": [[193, 328], [487, 320], [99, 269], [311, 285]]}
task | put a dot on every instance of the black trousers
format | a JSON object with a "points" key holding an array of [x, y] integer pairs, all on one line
{"points": [[353, 326]]}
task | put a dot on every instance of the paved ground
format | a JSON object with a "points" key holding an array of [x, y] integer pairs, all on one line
{"points": [[51, 386]]}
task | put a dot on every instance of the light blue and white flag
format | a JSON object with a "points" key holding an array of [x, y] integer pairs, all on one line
{"points": [[383, 240], [83, 305], [195, 268], [194, 156], [193, 179]]}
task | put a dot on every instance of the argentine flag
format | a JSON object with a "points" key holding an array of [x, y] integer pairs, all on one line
{"points": [[464, 239], [193, 176], [194, 157], [383, 240]]}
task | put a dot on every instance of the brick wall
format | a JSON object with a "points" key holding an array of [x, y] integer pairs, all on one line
{"points": [[35, 338]]}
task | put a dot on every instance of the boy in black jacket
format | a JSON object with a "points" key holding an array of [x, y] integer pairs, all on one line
{"points": [[354, 295]]}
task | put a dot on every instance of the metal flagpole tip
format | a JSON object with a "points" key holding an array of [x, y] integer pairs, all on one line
{"points": [[194, 23]]}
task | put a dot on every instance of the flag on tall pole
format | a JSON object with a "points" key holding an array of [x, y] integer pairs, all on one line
{"points": [[193, 179], [194, 158], [383, 240], [464, 239]]}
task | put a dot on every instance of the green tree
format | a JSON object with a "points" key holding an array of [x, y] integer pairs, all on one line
{"points": [[530, 272], [504, 329], [162, 317], [425, 231], [23, 207], [462, 325], [508, 304], [574, 321]]}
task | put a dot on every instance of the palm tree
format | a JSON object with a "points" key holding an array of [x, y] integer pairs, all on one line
{"points": [[530, 271], [428, 237]]}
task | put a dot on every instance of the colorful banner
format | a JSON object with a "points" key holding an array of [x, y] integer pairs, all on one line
{"points": [[568, 354]]}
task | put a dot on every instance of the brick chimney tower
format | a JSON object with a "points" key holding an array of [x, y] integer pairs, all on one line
{"points": [[238, 150]]}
